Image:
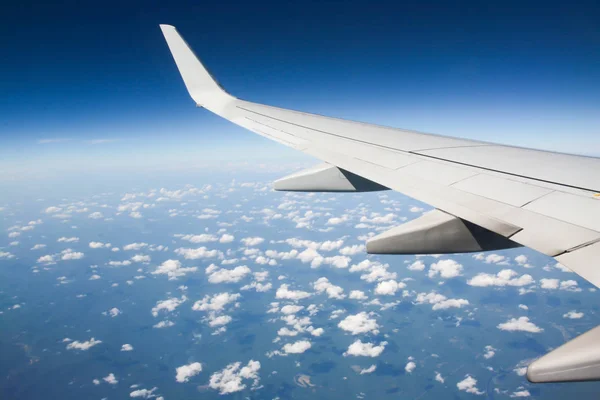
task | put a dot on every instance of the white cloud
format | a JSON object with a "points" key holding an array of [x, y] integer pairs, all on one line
{"points": [[77, 345], [230, 379], [410, 366], [285, 293], [6, 254], [68, 240], [291, 309], [357, 295], [96, 215], [446, 269], [226, 238], [521, 393], [389, 287], [369, 370], [95, 277], [297, 347], [38, 247], [69, 254], [489, 352], [220, 320], [98, 245], [202, 238], [185, 372], [200, 252], [439, 377], [417, 266], [173, 269], [52, 210], [144, 393], [140, 258], [506, 277], [252, 241], [227, 275], [215, 303], [469, 385], [549, 283], [519, 324], [439, 301], [164, 324], [352, 250], [135, 246], [570, 286], [111, 379], [333, 292], [573, 315], [358, 348], [168, 305], [113, 312], [359, 323], [317, 332], [127, 347], [337, 220]]}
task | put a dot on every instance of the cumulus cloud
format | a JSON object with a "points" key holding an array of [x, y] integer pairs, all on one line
{"points": [[144, 393], [215, 303], [88, 344], [469, 385], [98, 245], [173, 269], [489, 352], [417, 266], [126, 347], [135, 246], [389, 287], [111, 379], [164, 324], [141, 258], [69, 254], [352, 250], [439, 301], [285, 293], [359, 323], [195, 254], [573, 315], [357, 295], [297, 347], [506, 277], [185, 372], [230, 379], [96, 215], [252, 241], [446, 269], [358, 348], [410, 366], [519, 324], [222, 275], [552, 284], [68, 240], [168, 305], [369, 370], [439, 377], [333, 292], [226, 238], [202, 238]]}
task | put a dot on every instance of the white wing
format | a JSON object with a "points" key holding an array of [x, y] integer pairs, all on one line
{"points": [[487, 196]]}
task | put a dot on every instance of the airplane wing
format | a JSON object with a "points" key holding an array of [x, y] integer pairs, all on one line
{"points": [[487, 196]]}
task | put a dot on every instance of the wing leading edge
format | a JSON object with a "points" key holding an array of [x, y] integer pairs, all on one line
{"points": [[487, 195]]}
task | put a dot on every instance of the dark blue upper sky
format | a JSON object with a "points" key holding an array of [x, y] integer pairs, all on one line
{"points": [[519, 72]]}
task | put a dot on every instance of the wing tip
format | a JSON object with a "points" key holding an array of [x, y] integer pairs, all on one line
{"points": [[167, 27]]}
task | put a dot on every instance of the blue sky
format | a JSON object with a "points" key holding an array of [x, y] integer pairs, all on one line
{"points": [[97, 86]]}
